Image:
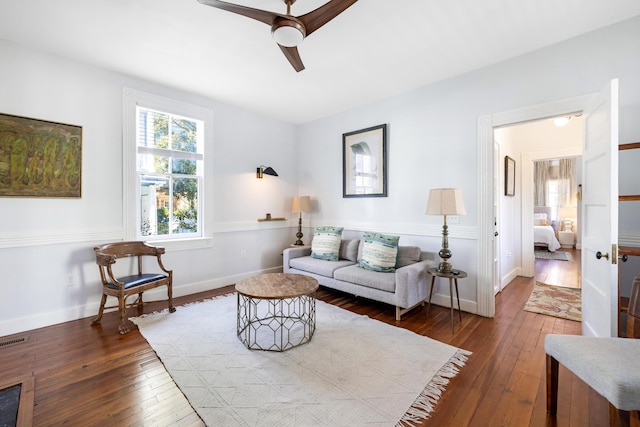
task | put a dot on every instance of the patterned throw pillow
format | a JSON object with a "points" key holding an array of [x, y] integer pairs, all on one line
{"points": [[379, 252], [326, 243]]}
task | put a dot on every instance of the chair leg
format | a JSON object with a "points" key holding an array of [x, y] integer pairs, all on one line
{"points": [[139, 301], [170, 297], [98, 318], [552, 385], [122, 312]]}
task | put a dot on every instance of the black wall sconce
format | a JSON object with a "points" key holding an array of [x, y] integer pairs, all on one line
{"points": [[262, 169]]}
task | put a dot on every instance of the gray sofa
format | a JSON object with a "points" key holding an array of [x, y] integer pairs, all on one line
{"points": [[405, 288]]}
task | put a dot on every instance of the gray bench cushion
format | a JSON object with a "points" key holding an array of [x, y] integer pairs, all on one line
{"points": [[610, 366], [318, 266], [371, 279]]}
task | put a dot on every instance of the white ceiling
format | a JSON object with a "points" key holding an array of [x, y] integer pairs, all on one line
{"points": [[375, 49]]}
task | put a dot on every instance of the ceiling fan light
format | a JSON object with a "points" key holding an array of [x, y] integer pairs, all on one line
{"points": [[288, 33]]}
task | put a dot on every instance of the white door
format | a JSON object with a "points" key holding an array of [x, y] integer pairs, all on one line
{"points": [[600, 215]]}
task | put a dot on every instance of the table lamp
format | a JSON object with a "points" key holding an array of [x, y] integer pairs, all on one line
{"points": [[445, 201], [298, 205]]}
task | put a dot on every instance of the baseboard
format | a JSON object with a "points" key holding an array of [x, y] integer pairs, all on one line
{"points": [[90, 309], [445, 301], [504, 281]]}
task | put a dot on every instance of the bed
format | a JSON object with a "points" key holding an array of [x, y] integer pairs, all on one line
{"points": [[543, 233]]}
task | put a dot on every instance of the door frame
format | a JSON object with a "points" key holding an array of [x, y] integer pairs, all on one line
{"points": [[486, 177]]}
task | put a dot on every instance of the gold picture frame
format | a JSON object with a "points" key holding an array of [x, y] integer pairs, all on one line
{"points": [[39, 158], [364, 162]]}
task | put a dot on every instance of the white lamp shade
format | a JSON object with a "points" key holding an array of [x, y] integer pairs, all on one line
{"points": [[568, 212], [301, 204], [445, 201]]}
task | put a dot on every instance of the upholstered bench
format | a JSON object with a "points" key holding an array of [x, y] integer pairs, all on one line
{"points": [[610, 366]]}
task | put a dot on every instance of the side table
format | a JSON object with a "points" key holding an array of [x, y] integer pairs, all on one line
{"points": [[453, 277]]}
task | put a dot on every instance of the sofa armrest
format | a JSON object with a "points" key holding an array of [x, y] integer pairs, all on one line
{"points": [[412, 280], [293, 252], [415, 272]]}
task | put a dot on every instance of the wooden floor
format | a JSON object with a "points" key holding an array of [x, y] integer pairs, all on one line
{"points": [[88, 375]]}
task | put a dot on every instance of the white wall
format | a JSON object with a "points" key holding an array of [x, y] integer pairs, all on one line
{"points": [[432, 143], [47, 243], [432, 137]]}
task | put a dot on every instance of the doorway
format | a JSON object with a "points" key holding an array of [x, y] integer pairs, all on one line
{"points": [[486, 174], [527, 143]]}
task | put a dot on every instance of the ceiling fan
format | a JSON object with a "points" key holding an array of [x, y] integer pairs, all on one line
{"points": [[288, 30]]}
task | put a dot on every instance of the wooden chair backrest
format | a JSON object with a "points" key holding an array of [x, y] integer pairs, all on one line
{"points": [[125, 249], [633, 314]]}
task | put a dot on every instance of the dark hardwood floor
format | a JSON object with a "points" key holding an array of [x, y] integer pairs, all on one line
{"points": [[88, 375]]}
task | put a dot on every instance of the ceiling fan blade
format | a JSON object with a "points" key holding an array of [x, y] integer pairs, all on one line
{"points": [[293, 56], [325, 13], [259, 15]]}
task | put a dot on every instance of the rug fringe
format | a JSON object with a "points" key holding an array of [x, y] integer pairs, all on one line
{"points": [[166, 310], [425, 403]]}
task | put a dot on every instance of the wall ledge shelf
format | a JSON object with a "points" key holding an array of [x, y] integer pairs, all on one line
{"points": [[271, 219]]}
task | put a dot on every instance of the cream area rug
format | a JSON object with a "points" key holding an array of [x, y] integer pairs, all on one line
{"points": [[354, 371], [555, 301]]}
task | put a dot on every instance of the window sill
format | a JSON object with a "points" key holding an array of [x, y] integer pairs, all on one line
{"points": [[173, 245]]}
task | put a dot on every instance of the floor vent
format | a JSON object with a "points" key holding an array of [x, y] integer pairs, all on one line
{"points": [[13, 341]]}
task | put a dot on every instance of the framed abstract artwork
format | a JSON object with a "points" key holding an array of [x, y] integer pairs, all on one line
{"points": [[39, 158], [364, 162]]}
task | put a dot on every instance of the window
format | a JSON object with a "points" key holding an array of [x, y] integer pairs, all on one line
{"points": [[170, 171], [166, 147]]}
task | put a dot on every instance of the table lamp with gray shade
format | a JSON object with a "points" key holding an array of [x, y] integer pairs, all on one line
{"points": [[445, 201], [298, 205]]}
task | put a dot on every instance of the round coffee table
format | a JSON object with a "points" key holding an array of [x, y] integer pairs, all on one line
{"points": [[276, 311]]}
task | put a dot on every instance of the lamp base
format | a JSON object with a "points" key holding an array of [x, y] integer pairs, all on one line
{"points": [[444, 267], [298, 243]]}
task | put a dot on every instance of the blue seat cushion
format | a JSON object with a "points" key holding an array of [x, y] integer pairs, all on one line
{"points": [[137, 280]]}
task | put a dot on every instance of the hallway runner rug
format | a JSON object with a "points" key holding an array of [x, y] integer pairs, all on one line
{"points": [[557, 301], [354, 371], [559, 255]]}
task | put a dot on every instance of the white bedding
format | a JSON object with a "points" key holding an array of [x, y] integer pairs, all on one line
{"points": [[544, 234]]}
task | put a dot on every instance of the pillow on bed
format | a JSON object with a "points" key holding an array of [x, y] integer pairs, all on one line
{"points": [[540, 219]]}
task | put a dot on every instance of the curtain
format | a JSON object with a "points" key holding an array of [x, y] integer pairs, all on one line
{"points": [[566, 183], [540, 176]]}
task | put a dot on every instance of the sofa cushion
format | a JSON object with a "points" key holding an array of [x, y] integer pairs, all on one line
{"points": [[379, 252], [349, 249], [407, 255], [326, 243], [369, 278], [318, 266]]}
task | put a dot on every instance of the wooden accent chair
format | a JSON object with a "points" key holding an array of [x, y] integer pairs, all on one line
{"points": [[124, 286], [610, 366]]}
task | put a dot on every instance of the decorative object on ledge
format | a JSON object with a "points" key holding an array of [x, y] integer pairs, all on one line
{"points": [[43, 159], [445, 201], [262, 169], [298, 205], [509, 176], [364, 162]]}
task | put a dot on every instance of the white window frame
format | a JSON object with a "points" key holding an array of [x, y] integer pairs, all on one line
{"points": [[131, 189]]}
